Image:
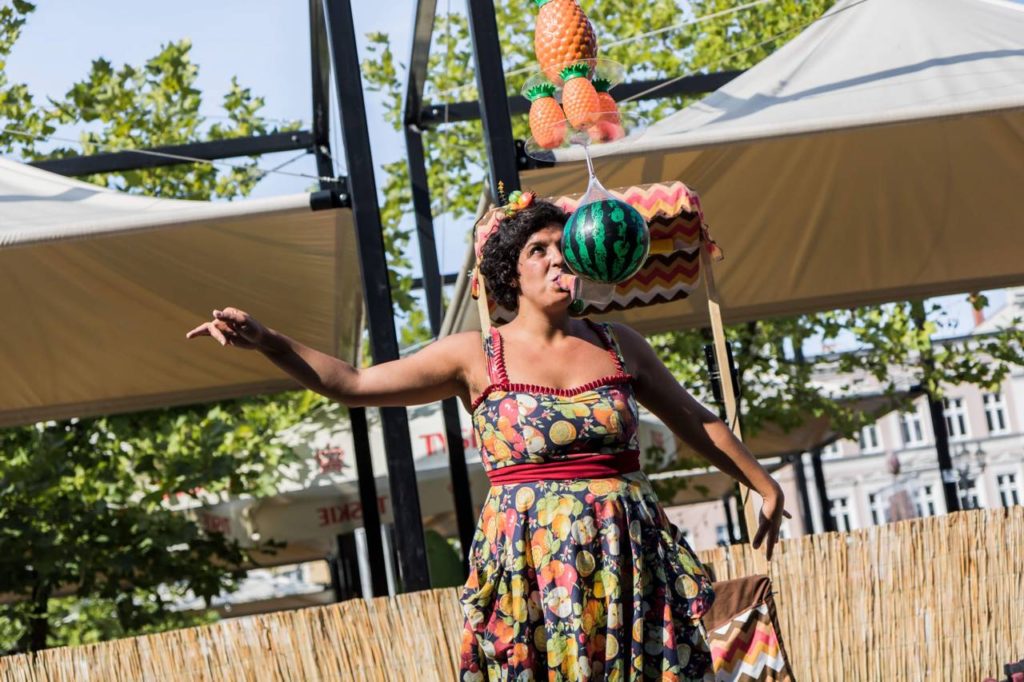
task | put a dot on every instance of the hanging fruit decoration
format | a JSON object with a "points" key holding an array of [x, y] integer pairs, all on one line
{"points": [[566, 47], [579, 98], [608, 126], [547, 120], [563, 36], [605, 240]]}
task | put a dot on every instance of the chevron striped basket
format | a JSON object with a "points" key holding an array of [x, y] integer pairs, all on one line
{"points": [[672, 269], [743, 632]]}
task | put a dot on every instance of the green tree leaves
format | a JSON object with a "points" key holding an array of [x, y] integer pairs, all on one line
{"points": [[87, 505], [156, 105], [88, 538], [778, 382]]}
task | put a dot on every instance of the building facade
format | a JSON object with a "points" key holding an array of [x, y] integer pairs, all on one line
{"points": [[986, 443]]}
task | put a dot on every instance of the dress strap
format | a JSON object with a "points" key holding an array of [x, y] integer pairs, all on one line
{"points": [[604, 332], [495, 353]]}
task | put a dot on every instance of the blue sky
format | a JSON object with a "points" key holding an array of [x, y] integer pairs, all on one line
{"points": [[266, 44]]}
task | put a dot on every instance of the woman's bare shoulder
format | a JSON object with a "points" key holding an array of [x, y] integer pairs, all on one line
{"points": [[464, 348], [463, 341], [635, 348], [628, 337]]}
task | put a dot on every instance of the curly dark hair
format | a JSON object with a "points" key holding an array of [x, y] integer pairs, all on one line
{"points": [[499, 263]]}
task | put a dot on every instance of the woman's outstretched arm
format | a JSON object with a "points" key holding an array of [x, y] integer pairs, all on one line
{"points": [[659, 392], [433, 373]]}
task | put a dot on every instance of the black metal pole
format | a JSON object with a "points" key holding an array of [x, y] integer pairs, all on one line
{"points": [[320, 64], [320, 73], [172, 155], [345, 568], [334, 567], [462, 495], [805, 496], [432, 284], [946, 471], [437, 114], [947, 474], [377, 289], [423, 29], [368, 501], [828, 523], [432, 287], [730, 524], [490, 83], [741, 518]]}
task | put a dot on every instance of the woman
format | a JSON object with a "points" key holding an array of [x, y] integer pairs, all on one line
{"points": [[576, 573]]}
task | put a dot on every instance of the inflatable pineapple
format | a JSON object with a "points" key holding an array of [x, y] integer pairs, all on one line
{"points": [[563, 36], [608, 126], [579, 98], [547, 122]]}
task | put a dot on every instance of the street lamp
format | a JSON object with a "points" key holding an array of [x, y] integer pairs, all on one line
{"points": [[972, 465]]}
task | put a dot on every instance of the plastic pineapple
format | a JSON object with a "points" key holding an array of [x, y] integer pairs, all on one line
{"points": [[547, 122], [579, 98], [608, 126], [563, 36]]}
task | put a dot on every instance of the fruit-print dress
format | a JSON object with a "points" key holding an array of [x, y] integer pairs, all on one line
{"points": [[576, 573]]}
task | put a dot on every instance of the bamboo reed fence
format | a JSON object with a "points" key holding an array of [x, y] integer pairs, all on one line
{"points": [[939, 598]]}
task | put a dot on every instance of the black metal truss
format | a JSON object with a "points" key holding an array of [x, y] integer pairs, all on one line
{"points": [[432, 115], [377, 290], [432, 281], [172, 155], [337, 192]]}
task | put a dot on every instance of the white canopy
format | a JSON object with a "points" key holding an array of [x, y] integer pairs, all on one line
{"points": [[97, 290], [876, 156]]}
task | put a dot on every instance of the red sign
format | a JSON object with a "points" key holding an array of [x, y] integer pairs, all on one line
{"points": [[434, 443], [331, 460], [213, 523], [336, 514]]}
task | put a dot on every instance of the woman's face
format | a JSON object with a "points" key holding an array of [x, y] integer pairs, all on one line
{"points": [[540, 267]]}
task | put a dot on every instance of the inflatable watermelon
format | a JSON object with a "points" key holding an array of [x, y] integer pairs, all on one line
{"points": [[606, 240]]}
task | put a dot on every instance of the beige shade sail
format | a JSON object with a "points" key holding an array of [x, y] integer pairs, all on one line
{"points": [[772, 440], [877, 156], [98, 289]]}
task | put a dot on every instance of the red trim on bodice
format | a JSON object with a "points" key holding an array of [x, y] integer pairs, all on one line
{"points": [[610, 380], [575, 466], [498, 375]]}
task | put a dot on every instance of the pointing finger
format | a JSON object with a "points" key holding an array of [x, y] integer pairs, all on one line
{"points": [[762, 529], [217, 334], [201, 330]]}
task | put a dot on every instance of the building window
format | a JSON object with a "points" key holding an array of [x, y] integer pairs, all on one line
{"points": [[968, 488], [687, 536], [832, 450], [910, 427], [924, 500], [1008, 493], [784, 531], [869, 440], [877, 504], [722, 535], [995, 413], [841, 514], [956, 418]]}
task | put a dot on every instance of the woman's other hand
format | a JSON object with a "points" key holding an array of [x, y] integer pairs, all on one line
{"points": [[772, 512], [233, 327]]}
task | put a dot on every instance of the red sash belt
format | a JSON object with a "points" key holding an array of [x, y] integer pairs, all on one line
{"points": [[574, 466]]}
